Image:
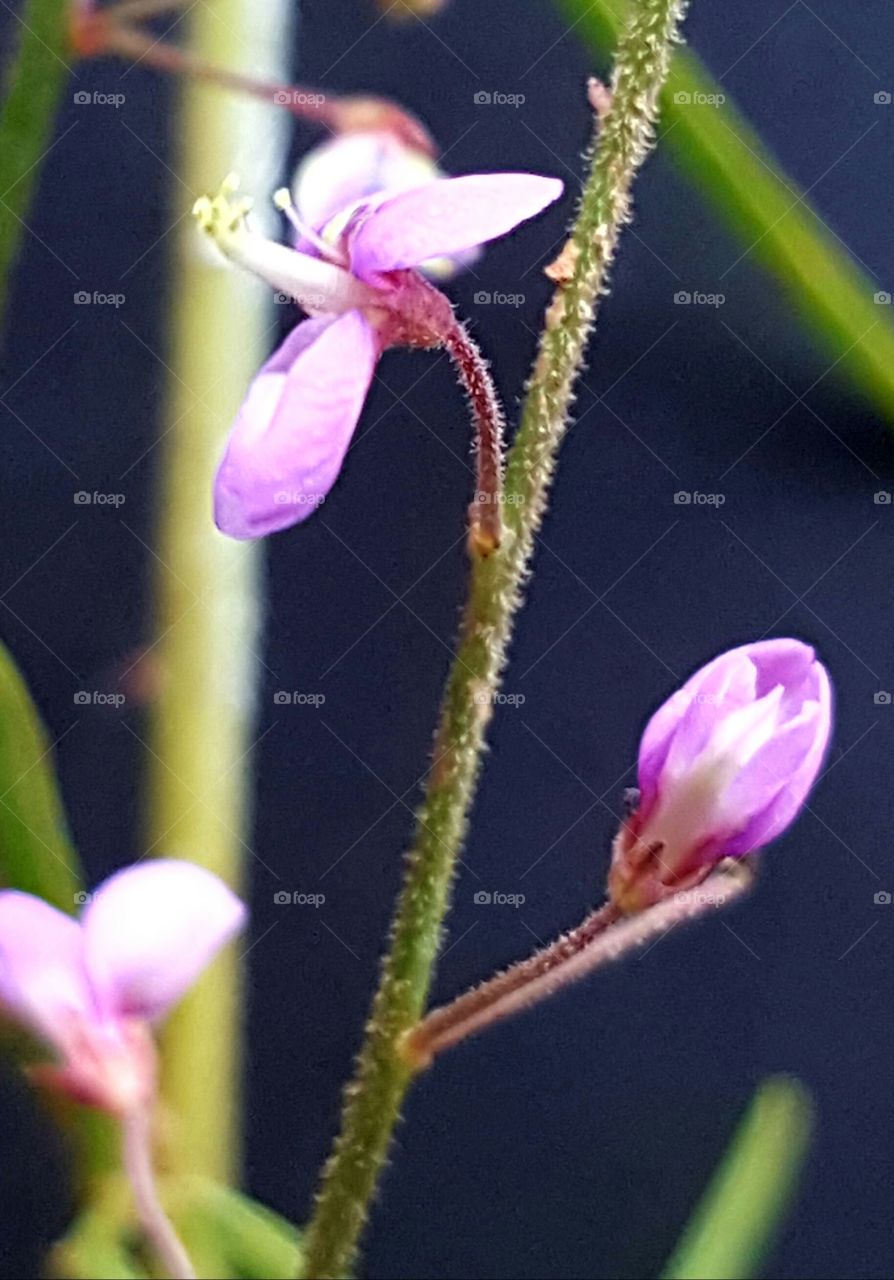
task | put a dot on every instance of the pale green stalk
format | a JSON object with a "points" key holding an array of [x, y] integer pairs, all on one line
{"points": [[731, 1231], [206, 586], [33, 81], [373, 1099]]}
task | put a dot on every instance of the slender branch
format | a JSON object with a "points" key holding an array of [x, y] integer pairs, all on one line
{"points": [[36, 77], [596, 942], [373, 1099], [483, 1004], [157, 1227], [485, 517]]}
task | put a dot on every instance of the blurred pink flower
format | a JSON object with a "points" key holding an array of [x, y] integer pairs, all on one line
{"points": [[363, 295], [724, 767], [91, 989]]}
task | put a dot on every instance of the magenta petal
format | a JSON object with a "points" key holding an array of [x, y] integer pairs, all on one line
{"points": [[151, 930], [42, 982], [293, 431], [446, 217]]}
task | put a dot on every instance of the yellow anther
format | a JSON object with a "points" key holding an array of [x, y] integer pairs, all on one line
{"points": [[282, 198], [221, 216]]}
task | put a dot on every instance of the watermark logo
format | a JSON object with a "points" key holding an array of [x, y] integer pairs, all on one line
{"points": [[294, 698], [692, 498], [882, 298], [683, 298], [882, 898], [685, 99], [484, 696], [97, 99], [494, 98], [485, 899], [882, 498], [484, 298], [882, 698], [82, 897], [84, 298], [882, 98], [483, 499], [96, 499], [285, 898], [94, 698], [297, 98], [298, 498]]}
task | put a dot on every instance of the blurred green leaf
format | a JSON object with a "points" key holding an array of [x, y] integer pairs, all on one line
{"points": [[733, 1227], [36, 854], [256, 1243], [33, 82], [731, 168]]}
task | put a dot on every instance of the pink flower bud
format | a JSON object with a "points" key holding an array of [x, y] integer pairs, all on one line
{"points": [[724, 767]]}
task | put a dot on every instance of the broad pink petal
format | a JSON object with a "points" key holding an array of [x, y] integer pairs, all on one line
{"points": [[288, 443], [151, 930], [444, 217], [42, 982]]}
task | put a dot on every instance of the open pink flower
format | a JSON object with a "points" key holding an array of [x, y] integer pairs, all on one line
{"points": [[91, 989], [724, 767], [362, 295]]}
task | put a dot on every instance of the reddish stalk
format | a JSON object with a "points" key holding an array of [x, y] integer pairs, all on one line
{"points": [[485, 514]]}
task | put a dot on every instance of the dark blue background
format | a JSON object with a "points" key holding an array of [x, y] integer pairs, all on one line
{"points": [[573, 1141]]}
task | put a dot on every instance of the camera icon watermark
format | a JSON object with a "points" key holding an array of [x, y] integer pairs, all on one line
{"points": [[685, 99], [297, 898], [882, 98], [84, 298], [83, 498], [693, 498], [295, 698], [95, 698], [98, 99], [882, 898], [81, 898], [495, 98], [485, 899], [298, 98], [683, 298], [882, 698], [298, 498], [485, 298], [882, 498], [882, 298]]}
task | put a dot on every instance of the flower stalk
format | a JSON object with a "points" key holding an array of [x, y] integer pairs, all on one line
{"points": [[374, 1097], [602, 938]]}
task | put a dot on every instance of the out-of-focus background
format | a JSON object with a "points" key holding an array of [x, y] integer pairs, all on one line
{"points": [[572, 1141]]}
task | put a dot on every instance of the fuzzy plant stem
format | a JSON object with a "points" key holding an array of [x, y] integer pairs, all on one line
{"points": [[599, 940], [485, 517], [206, 588], [373, 1099]]}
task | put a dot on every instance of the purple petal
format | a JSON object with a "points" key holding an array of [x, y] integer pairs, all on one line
{"points": [[445, 217], [42, 982], [151, 930], [293, 431]]}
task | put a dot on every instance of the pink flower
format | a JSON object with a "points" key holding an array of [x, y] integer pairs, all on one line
{"points": [[337, 177], [724, 767], [362, 295], [91, 989]]}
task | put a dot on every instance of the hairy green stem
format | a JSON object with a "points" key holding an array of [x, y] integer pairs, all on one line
{"points": [[33, 84], [373, 1099], [728, 164], [206, 588]]}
